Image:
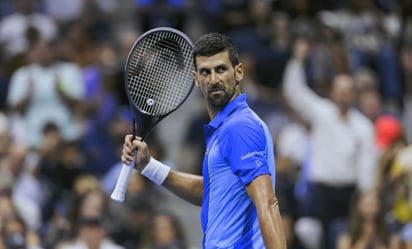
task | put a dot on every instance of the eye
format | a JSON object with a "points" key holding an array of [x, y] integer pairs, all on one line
{"points": [[221, 69], [204, 72]]}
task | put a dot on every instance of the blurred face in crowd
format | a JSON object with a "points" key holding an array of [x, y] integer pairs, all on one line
{"points": [[163, 230], [93, 204], [343, 92], [370, 104], [368, 205], [42, 53], [92, 231], [217, 79]]}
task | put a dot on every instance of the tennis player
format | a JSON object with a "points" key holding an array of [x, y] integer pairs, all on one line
{"points": [[237, 191]]}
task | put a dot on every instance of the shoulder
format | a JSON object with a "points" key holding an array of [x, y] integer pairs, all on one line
{"points": [[108, 244], [71, 244], [242, 121], [10, 19], [20, 73], [361, 122], [69, 66]]}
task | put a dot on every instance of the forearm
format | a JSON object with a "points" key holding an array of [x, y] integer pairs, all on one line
{"points": [[267, 206], [296, 91], [187, 186], [270, 223], [294, 78]]}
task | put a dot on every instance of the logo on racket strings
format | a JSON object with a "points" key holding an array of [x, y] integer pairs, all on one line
{"points": [[150, 102]]}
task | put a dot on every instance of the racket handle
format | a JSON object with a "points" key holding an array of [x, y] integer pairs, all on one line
{"points": [[122, 182]]}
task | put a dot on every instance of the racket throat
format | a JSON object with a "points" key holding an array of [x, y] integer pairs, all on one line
{"points": [[145, 124]]}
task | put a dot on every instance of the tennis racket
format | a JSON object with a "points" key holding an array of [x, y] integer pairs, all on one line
{"points": [[158, 79]]}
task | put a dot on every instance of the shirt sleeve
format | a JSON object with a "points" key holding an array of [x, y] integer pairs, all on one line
{"points": [[247, 151], [72, 80], [19, 87], [301, 98]]}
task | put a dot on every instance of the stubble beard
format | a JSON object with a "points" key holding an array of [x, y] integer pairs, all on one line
{"points": [[218, 101]]}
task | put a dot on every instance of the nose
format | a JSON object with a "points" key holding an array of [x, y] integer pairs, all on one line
{"points": [[213, 77]]}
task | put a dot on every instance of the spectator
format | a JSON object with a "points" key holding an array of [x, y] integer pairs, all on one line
{"points": [[21, 184], [406, 62], [91, 223], [367, 43], [46, 91], [399, 176], [166, 232], [366, 225], [15, 234], [13, 27], [5, 136], [388, 130], [135, 233], [343, 154]]}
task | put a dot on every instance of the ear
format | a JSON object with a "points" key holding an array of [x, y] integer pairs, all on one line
{"points": [[195, 78], [239, 71]]}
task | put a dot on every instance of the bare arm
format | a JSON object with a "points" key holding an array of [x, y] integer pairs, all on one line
{"points": [[270, 222], [295, 88], [187, 186]]}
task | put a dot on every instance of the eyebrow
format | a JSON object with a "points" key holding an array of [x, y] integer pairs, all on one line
{"points": [[214, 67]]}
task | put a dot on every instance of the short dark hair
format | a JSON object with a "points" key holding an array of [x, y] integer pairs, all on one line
{"points": [[214, 43]]}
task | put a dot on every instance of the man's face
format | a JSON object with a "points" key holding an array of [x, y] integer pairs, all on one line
{"points": [[217, 79], [342, 92]]}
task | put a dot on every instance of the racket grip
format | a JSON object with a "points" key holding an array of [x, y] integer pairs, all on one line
{"points": [[119, 191]]}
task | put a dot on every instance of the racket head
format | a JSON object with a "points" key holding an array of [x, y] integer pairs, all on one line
{"points": [[159, 72]]}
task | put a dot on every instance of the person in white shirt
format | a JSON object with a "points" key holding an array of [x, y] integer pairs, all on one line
{"points": [[343, 156], [46, 91]]}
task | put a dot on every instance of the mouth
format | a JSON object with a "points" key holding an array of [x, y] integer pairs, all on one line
{"points": [[215, 91]]}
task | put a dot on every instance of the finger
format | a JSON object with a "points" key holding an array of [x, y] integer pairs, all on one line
{"points": [[128, 139], [124, 159], [127, 159], [128, 151], [139, 145]]}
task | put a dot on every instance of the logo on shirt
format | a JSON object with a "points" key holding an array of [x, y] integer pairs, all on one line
{"points": [[258, 163], [254, 153]]}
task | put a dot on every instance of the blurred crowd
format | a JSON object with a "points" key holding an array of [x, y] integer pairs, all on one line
{"points": [[64, 114]]}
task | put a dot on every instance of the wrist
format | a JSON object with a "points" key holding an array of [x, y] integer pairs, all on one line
{"points": [[156, 171]]}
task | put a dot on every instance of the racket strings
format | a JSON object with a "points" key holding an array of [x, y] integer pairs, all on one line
{"points": [[161, 78]]}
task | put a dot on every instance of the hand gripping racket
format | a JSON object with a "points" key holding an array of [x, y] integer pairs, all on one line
{"points": [[158, 79]]}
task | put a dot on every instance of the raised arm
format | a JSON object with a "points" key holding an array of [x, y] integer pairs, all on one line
{"points": [[295, 89], [270, 222], [187, 186]]}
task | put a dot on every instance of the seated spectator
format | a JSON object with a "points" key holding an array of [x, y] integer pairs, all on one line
{"points": [[366, 225], [136, 230], [46, 91], [388, 130], [91, 220], [166, 232], [15, 234], [13, 27]]}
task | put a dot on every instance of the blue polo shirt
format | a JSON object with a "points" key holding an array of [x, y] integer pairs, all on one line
{"points": [[239, 148]]}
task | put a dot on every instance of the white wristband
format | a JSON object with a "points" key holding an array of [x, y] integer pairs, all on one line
{"points": [[156, 171]]}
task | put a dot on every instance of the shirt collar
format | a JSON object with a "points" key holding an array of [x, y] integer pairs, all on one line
{"points": [[229, 108]]}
